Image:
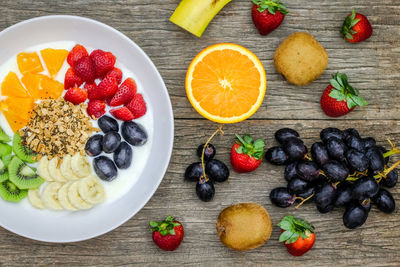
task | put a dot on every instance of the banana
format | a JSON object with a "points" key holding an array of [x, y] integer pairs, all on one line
{"points": [[80, 165], [66, 170], [43, 170], [91, 190], [54, 171], [76, 199], [34, 199], [50, 196], [63, 197]]}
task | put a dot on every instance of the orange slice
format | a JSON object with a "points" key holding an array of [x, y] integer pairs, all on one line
{"points": [[32, 84], [18, 105], [50, 89], [226, 83], [15, 121], [54, 59], [29, 62], [11, 86]]}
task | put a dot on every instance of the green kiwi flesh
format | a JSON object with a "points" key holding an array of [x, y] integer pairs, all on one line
{"points": [[10, 192], [3, 172], [6, 159], [5, 149], [22, 152], [22, 175], [4, 137]]}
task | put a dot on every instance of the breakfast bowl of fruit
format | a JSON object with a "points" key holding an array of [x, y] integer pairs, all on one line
{"points": [[86, 128]]}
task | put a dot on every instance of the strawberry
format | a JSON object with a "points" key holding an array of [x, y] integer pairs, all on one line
{"points": [[103, 62], [339, 98], [167, 234], [84, 68], [108, 87], [96, 109], [116, 73], [137, 106], [93, 92], [268, 15], [246, 155], [71, 79], [76, 95], [77, 52], [356, 28], [125, 93], [297, 235], [122, 114]]}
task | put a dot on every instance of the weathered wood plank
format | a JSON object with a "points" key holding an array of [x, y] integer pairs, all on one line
{"points": [[375, 243], [373, 66]]}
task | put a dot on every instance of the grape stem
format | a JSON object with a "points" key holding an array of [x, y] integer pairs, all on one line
{"points": [[303, 200], [219, 130]]}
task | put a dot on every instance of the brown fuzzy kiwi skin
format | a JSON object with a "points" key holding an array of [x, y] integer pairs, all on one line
{"points": [[244, 226], [300, 58]]}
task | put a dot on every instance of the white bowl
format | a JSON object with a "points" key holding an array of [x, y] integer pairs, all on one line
{"points": [[82, 225]]}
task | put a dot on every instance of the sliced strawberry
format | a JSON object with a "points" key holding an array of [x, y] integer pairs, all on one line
{"points": [[122, 113], [71, 79], [124, 93], [96, 109], [84, 68], [137, 106], [76, 95], [93, 92], [76, 54], [103, 62], [116, 73], [108, 86]]}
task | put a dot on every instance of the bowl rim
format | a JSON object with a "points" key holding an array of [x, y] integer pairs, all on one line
{"points": [[163, 168]]}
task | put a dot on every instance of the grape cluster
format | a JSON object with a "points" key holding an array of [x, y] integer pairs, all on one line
{"points": [[216, 171], [344, 170]]}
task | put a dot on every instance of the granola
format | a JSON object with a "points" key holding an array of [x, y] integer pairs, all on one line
{"points": [[57, 128]]}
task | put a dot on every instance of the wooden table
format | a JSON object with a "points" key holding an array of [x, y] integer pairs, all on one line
{"points": [[372, 66]]}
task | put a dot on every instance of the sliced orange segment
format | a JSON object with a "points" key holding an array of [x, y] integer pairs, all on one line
{"points": [[20, 105], [50, 89], [15, 121], [54, 59], [29, 62], [226, 83], [32, 84], [11, 86]]}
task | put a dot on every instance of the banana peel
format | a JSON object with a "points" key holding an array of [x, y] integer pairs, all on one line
{"points": [[195, 15]]}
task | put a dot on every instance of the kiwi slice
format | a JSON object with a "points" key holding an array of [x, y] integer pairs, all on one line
{"points": [[6, 159], [22, 152], [22, 175], [5, 149], [4, 137], [3, 172], [10, 192]]}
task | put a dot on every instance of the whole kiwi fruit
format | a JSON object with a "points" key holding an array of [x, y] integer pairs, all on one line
{"points": [[244, 226]]}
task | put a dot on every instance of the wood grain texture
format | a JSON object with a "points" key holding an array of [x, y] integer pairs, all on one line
{"points": [[372, 66]]}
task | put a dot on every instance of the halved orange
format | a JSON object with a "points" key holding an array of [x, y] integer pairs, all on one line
{"points": [[54, 59], [226, 83], [11, 86], [29, 62]]}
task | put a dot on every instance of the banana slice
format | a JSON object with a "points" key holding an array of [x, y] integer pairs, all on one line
{"points": [[54, 171], [43, 170], [91, 190], [63, 197], [66, 170], [76, 199], [50, 196], [80, 165], [34, 199]]}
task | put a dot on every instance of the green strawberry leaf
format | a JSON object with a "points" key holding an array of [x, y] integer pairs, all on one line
{"points": [[336, 84], [165, 227], [294, 228], [271, 5], [348, 24], [350, 103], [338, 95], [248, 147]]}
